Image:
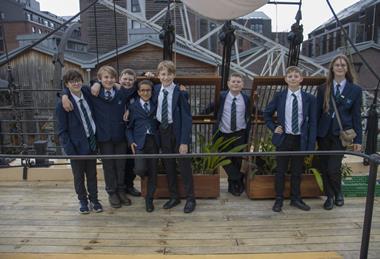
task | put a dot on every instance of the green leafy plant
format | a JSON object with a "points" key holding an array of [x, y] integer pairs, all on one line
{"points": [[309, 168], [345, 170], [265, 165], [209, 164]]}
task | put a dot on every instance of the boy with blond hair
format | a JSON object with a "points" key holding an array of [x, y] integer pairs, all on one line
{"points": [[174, 117], [295, 130]]}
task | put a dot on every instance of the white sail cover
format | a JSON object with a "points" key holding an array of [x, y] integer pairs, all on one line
{"points": [[224, 9]]}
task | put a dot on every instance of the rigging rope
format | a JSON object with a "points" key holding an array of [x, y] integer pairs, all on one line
{"points": [[116, 43], [96, 37]]}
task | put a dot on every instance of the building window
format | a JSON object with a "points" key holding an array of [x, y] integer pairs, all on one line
{"points": [[136, 25], [257, 28], [28, 17], [135, 6], [33, 29], [39, 31]]}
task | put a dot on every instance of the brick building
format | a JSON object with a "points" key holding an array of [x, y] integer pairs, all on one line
{"points": [[21, 17]]}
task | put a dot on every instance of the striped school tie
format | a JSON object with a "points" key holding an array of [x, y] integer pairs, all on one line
{"points": [[146, 109], [337, 92], [91, 138], [233, 114], [164, 110], [295, 126]]}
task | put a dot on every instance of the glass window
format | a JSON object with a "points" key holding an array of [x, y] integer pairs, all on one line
{"points": [[33, 29], [135, 6]]}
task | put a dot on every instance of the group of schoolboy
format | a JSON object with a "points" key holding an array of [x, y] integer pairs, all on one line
{"points": [[159, 118]]}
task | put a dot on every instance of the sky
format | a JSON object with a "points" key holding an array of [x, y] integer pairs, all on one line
{"points": [[314, 12]]}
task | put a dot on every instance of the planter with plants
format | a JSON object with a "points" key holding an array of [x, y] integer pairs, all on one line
{"points": [[261, 179], [205, 170]]}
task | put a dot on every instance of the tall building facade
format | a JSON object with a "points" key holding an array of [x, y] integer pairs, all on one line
{"points": [[22, 17], [99, 30]]}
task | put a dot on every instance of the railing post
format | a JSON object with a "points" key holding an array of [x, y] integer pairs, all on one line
{"points": [[374, 164]]}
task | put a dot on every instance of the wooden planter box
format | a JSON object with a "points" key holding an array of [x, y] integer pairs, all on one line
{"points": [[205, 186], [262, 187]]}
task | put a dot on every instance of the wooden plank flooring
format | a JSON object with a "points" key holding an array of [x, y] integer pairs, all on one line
{"points": [[42, 218]]}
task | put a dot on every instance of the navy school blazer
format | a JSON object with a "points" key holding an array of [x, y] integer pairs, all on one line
{"points": [[108, 114], [349, 106], [308, 124], [71, 131], [247, 102], [181, 113], [138, 123]]}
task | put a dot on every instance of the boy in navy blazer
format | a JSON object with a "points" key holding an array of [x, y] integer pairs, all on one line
{"points": [[76, 131], [234, 120], [175, 122], [295, 130], [109, 108], [143, 139]]}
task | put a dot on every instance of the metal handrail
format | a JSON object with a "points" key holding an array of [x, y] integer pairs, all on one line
{"points": [[374, 161]]}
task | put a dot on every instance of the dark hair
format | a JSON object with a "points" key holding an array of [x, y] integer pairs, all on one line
{"points": [[144, 82], [71, 75]]}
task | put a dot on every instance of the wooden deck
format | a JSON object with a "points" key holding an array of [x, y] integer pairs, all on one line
{"points": [[41, 218]]}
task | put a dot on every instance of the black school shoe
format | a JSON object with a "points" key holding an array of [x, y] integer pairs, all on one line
{"points": [[133, 191], [300, 204], [189, 206]]}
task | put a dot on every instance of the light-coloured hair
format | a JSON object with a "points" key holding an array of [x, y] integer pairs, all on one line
{"points": [[350, 77], [168, 65], [292, 69], [235, 74], [107, 69], [128, 71]]}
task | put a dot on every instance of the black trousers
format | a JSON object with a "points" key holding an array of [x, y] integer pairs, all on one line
{"points": [[114, 169], [290, 143], [169, 145], [233, 169], [330, 165], [148, 167], [85, 170], [129, 174]]}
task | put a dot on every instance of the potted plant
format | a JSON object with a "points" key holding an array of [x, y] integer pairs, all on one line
{"points": [[205, 169], [260, 180]]}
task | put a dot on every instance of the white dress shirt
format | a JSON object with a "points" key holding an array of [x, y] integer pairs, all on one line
{"points": [[170, 90], [289, 109], [85, 104], [225, 123]]}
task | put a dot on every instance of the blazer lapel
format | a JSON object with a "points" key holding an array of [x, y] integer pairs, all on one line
{"points": [[76, 108], [175, 98], [347, 90], [139, 107], [305, 107], [152, 107], [281, 111], [223, 96]]}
